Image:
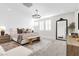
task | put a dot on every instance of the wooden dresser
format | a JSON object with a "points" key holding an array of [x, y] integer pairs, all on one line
{"points": [[72, 46]]}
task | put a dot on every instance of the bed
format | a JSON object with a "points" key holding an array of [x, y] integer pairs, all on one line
{"points": [[25, 37]]}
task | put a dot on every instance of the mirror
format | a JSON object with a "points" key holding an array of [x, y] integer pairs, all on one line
{"points": [[61, 29]]}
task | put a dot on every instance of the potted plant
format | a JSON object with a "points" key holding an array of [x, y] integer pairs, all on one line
{"points": [[71, 27]]}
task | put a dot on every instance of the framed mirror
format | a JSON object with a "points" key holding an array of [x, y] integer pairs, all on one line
{"points": [[78, 21], [61, 29]]}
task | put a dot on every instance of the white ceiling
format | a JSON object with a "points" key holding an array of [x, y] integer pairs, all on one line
{"points": [[18, 15], [45, 9], [14, 8]]}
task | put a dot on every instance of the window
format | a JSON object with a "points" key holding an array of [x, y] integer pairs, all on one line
{"points": [[35, 23], [41, 25], [48, 25]]}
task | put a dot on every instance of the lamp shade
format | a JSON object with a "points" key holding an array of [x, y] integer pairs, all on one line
{"points": [[2, 28]]}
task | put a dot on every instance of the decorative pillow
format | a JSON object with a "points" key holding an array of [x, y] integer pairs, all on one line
{"points": [[28, 30], [19, 31]]}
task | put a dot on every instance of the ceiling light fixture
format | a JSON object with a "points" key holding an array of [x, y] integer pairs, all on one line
{"points": [[36, 15]]}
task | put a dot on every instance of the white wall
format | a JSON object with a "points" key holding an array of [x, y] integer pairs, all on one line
{"points": [[69, 16], [52, 34], [15, 20], [14, 15]]}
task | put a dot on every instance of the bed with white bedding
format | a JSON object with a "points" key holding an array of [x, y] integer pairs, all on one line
{"points": [[24, 37]]}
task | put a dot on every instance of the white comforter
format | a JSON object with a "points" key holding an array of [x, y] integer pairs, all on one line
{"points": [[23, 37]]}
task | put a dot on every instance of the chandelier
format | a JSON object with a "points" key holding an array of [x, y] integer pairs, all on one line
{"points": [[36, 15]]}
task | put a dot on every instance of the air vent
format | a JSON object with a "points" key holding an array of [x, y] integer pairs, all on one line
{"points": [[27, 4]]}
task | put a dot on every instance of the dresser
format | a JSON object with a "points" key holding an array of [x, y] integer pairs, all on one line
{"points": [[72, 46]]}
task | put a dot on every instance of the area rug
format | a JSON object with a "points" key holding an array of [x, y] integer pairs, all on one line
{"points": [[9, 45], [44, 43]]}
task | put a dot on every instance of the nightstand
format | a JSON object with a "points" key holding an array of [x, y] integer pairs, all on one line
{"points": [[4, 39]]}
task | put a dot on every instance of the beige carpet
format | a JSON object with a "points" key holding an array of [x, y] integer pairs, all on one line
{"points": [[10, 45], [43, 48]]}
